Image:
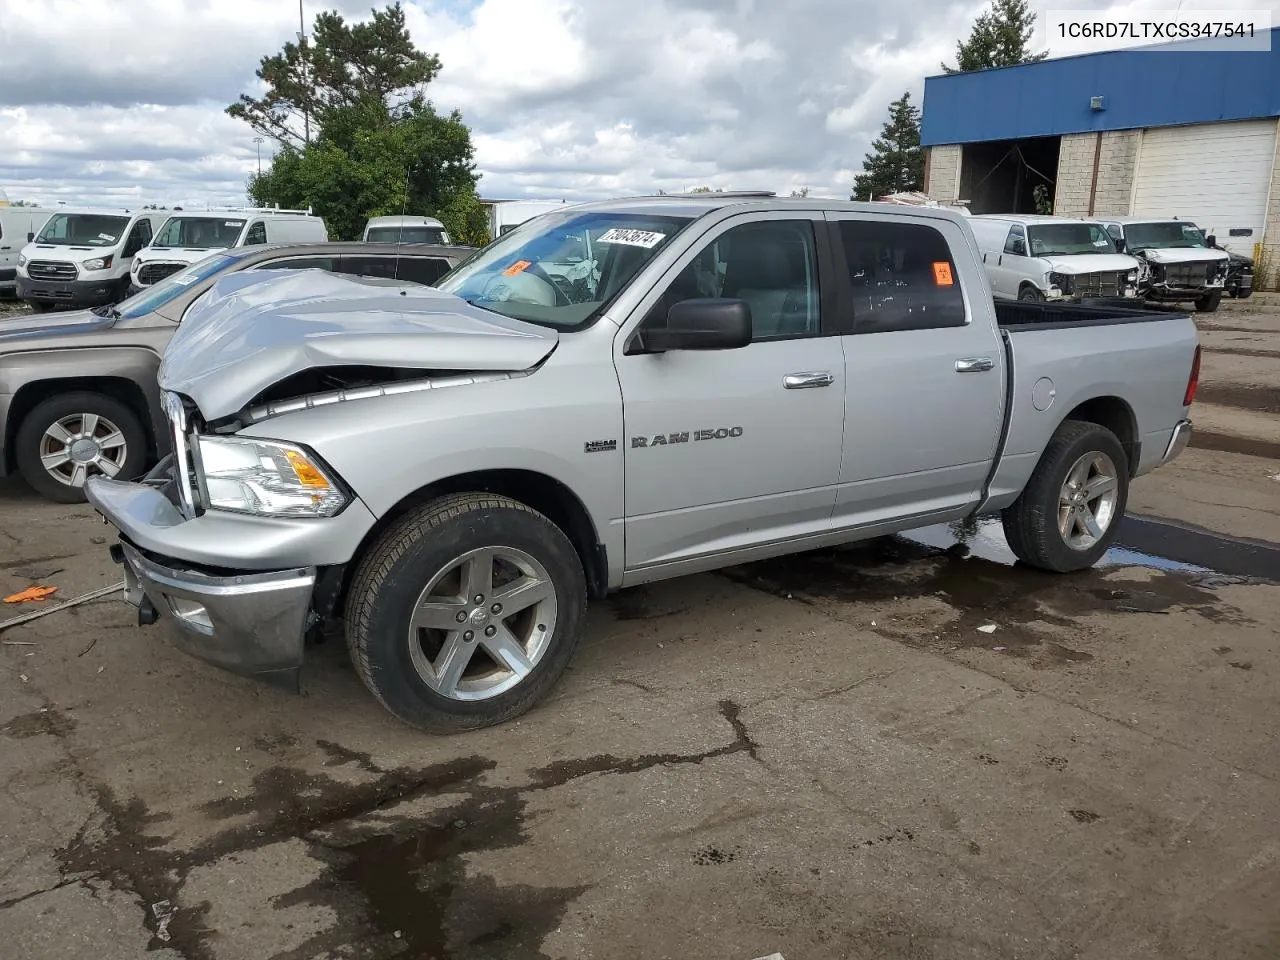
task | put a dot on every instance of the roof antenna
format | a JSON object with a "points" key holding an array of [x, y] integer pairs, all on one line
{"points": [[404, 206]]}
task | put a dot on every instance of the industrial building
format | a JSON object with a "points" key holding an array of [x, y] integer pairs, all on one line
{"points": [[1157, 131]]}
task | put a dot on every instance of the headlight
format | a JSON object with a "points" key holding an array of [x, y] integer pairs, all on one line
{"points": [[22, 259], [1060, 280], [1132, 276], [98, 263], [266, 478]]}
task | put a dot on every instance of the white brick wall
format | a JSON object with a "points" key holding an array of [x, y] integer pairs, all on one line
{"points": [[944, 172], [1117, 161]]}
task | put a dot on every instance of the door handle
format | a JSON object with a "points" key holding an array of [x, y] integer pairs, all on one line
{"points": [[803, 381], [975, 365]]}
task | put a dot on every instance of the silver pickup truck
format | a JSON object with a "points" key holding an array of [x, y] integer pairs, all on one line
{"points": [[699, 382]]}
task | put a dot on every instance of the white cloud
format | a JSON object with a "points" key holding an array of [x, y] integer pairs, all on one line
{"points": [[123, 102]]}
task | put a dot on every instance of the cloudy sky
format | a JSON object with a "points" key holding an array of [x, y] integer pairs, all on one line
{"points": [[121, 102]]}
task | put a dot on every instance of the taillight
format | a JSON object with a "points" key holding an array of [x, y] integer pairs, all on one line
{"points": [[1193, 381]]}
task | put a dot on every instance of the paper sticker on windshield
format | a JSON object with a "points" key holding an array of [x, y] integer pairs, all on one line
{"points": [[632, 238], [233, 223], [516, 267], [106, 236], [942, 274]]}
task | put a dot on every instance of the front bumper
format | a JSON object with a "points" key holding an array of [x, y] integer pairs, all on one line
{"points": [[1177, 442], [252, 624], [235, 591], [78, 293]]}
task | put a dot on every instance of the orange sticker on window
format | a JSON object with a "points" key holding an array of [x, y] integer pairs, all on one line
{"points": [[516, 267], [942, 274]]}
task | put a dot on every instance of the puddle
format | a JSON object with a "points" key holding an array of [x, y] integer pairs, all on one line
{"points": [[958, 586]]}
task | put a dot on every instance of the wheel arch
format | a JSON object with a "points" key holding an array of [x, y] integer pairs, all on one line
{"points": [[32, 394], [1115, 414], [549, 496]]}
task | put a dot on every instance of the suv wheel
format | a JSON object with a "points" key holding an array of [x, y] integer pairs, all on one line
{"points": [[1028, 292], [465, 612], [1209, 302], [1069, 513], [69, 438]]}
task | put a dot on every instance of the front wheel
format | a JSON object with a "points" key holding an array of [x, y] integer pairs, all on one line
{"points": [[73, 436], [1209, 302], [1069, 513], [1028, 292], [465, 612]]}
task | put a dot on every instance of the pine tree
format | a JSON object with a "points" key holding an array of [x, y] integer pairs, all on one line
{"points": [[999, 39], [896, 161]]}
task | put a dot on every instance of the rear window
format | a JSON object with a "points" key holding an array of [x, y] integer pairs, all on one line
{"points": [[424, 270], [405, 235], [902, 275]]}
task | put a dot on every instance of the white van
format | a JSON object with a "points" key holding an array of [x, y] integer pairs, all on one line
{"points": [[191, 236], [1052, 258], [406, 230], [1179, 263], [18, 227], [81, 257]]}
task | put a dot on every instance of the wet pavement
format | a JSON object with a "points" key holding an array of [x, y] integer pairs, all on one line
{"points": [[909, 748]]}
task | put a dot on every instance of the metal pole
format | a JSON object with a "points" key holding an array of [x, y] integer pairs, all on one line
{"points": [[258, 143], [306, 114]]}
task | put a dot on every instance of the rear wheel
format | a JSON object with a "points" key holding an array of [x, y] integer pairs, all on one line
{"points": [[1069, 513], [1209, 302], [69, 438], [1028, 292], [466, 612]]}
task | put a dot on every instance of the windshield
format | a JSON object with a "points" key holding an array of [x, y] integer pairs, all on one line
{"points": [[405, 235], [82, 230], [146, 301], [561, 269], [1174, 234], [200, 233], [1068, 239]]}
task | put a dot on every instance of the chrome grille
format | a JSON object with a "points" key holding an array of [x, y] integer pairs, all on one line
{"points": [[1106, 284], [150, 273], [51, 270]]}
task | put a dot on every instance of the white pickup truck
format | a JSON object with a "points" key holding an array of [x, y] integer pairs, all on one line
{"points": [[454, 471]]}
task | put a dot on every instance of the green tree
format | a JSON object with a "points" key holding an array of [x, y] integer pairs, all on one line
{"points": [[896, 160], [377, 144], [999, 38]]}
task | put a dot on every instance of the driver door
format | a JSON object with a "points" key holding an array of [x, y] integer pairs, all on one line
{"points": [[728, 450]]}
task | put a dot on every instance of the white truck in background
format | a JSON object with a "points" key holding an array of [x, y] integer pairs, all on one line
{"points": [[190, 236], [506, 215], [18, 227]]}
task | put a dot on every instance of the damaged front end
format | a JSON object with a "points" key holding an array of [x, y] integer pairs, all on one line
{"points": [[237, 543]]}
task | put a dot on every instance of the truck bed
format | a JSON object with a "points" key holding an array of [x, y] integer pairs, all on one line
{"points": [[1031, 315]]}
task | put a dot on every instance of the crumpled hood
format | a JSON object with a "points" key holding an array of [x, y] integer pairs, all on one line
{"points": [[1075, 264], [41, 325], [254, 328], [1184, 255]]}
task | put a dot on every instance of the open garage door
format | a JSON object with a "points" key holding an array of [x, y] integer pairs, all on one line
{"points": [[1216, 174]]}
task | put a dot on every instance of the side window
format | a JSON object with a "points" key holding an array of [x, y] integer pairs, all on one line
{"points": [[424, 270], [139, 237], [902, 275], [1114, 230], [771, 265], [257, 234], [299, 263], [1016, 244]]}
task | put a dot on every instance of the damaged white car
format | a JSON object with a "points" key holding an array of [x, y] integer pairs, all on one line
{"points": [[1179, 263]]}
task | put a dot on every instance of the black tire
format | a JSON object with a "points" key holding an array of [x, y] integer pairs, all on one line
{"points": [[45, 414], [396, 569], [1029, 292], [41, 306], [1209, 302], [1031, 522]]}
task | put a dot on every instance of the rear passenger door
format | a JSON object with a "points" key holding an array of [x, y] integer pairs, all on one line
{"points": [[924, 376]]}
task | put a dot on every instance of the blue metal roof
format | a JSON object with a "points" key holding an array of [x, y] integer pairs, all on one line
{"points": [[1141, 88]]}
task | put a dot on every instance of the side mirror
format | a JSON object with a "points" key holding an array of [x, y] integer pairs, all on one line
{"points": [[703, 323], [1120, 244], [30, 237], [1211, 240]]}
